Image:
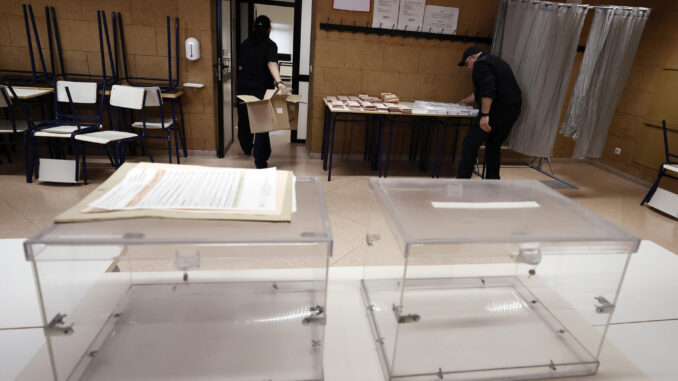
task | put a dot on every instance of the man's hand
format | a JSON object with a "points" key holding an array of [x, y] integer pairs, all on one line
{"points": [[281, 85], [485, 124], [468, 100]]}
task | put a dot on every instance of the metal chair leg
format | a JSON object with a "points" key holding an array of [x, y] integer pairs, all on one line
{"points": [[176, 144], [84, 164], [169, 146], [654, 187], [182, 132], [143, 146]]}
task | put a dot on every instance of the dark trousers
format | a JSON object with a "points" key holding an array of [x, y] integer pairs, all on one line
{"points": [[258, 144], [502, 118]]}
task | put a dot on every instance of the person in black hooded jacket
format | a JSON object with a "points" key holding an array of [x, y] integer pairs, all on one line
{"points": [[257, 72], [498, 96]]}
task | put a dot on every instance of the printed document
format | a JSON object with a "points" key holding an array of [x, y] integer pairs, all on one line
{"points": [[385, 14], [216, 189], [441, 19], [411, 15]]}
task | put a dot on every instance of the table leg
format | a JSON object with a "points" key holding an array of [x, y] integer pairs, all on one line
{"points": [[439, 160], [456, 140], [423, 159], [380, 146], [182, 131], [388, 147], [374, 144], [331, 152], [326, 136], [434, 146]]}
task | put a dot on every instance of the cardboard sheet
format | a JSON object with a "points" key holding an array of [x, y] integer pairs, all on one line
{"points": [[82, 212]]}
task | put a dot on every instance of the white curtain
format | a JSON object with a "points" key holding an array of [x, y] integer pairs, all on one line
{"points": [[610, 49], [539, 40]]}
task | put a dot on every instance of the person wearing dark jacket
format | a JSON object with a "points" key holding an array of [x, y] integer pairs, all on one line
{"points": [[498, 96], [257, 71]]}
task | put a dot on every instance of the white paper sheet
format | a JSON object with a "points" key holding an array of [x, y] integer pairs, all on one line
{"points": [[385, 13], [485, 205], [352, 5], [411, 15], [440, 19], [218, 189]]}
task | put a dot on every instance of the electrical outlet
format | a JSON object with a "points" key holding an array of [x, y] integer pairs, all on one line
{"points": [[617, 151]]}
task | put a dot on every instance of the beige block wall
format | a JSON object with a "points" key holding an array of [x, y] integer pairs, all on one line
{"points": [[351, 64], [146, 43]]}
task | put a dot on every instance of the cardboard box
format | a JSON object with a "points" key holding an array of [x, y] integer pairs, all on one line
{"points": [[277, 111]]}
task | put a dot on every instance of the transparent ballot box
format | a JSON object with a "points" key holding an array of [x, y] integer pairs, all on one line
{"points": [[488, 280], [169, 299]]}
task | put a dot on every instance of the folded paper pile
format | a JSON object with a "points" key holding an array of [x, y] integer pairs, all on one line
{"points": [[389, 98]]}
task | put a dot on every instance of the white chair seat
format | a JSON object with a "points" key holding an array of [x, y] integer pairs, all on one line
{"points": [[6, 126], [104, 137], [670, 167], [154, 123], [62, 131]]}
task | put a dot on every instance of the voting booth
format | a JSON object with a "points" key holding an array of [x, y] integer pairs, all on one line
{"points": [[459, 280], [276, 111], [151, 298]]}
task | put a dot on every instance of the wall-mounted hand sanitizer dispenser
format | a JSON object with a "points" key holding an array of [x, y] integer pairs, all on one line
{"points": [[192, 49]]}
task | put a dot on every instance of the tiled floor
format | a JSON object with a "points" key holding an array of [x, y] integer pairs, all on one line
{"points": [[25, 208]]}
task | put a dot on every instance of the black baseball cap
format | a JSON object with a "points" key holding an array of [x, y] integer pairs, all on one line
{"points": [[467, 53]]}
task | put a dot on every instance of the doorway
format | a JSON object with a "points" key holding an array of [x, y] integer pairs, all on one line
{"points": [[225, 22]]}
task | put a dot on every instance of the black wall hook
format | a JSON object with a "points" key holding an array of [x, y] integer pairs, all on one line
{"points": [[406, 33]]}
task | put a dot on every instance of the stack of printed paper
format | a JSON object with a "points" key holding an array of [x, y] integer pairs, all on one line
{"points": [[189, 192], [389, 98], [446, 108]]}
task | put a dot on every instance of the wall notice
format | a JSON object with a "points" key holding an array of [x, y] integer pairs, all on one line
{"points": [[440, 19], [411, 15], [385, 14], [352, 5]]}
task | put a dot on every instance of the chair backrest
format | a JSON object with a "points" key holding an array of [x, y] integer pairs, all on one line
{"points": [[127, 97], [153, 97], [668, 154], [5, 100], [81, 92]]}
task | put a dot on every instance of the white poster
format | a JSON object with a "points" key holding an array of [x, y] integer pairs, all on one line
{"points": [[385, 14], [352, 5], [411, 15], [440, 19]]}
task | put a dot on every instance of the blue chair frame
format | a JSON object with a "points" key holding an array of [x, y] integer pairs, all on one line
{"points": [[23, 135]]}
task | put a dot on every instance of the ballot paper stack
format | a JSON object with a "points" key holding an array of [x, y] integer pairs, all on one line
{"points": [[404, 109], [369, 98], [331, 99], [368, 106], [343, 98], [389, 98], [158, 190], [354, 98], [338, 106], [353, 105], [392, 107], [381, 107], [446, 108]]}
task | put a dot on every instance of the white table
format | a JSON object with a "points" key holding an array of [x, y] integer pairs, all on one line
{"points": [[644, 330]]}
